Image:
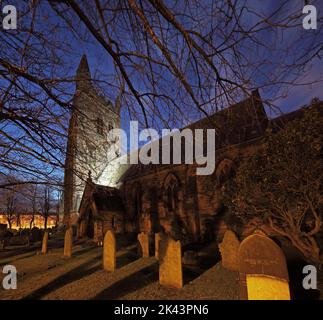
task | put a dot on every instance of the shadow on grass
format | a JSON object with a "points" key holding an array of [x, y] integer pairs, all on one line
{"points": [[11, 261], [129, 284], [84, 250], [126, 258], [203, 262], [75, 274], [79, 272]]}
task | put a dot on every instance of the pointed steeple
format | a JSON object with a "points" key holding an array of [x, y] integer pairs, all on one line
{"points": [[83, 74]]}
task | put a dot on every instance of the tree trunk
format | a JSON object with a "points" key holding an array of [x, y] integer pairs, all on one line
{"points": [[45, 222], [9, 222], [310, 251], [31, 221]]}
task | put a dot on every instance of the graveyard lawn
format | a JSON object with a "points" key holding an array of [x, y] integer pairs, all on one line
{"points": [[54, 276]]}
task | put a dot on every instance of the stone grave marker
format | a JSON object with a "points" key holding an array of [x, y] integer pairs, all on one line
{"points": [[170, 263], [68, 243], [44, 243], [109, 251], [262, 270], [157, 240], [143, 239], [229, 248]]}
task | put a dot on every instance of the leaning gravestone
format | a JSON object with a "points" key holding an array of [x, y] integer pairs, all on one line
{"points": [[170, 263], [262, 270], [143, 239], [157, 240], [229, 248], [44, 243], [109, 251], [68, 243]]}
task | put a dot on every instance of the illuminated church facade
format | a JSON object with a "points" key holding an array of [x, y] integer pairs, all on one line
{"points": [[147, 198]]}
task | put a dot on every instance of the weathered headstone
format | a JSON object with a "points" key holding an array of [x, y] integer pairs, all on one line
{"points": [[44, 243], [157, 239], [170, 263], [143, 239], [263, 270], [109, 251], [68, 243], [229, 248]]}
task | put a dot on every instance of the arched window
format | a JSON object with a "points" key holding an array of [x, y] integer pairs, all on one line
{"points": [[171, 189], [171, 198], [99, 126]]}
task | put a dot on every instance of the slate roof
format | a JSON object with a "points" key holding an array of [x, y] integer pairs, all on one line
{"points": [[236, 124], [239, 123]]}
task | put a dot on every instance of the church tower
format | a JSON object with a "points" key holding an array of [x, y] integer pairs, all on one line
{"points": [[88, 147]]}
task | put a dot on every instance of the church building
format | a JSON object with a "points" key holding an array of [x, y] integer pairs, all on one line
{"points": [[101, 194]]}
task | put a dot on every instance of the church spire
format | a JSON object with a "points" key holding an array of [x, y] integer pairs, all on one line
{"points": [[83, 74]]}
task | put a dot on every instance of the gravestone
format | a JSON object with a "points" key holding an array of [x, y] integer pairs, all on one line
{"points": [[170, 263], [44, 243], [262, 270], [157, 240], [68, 243], [229, 248], [143, 239], [109, 251]]}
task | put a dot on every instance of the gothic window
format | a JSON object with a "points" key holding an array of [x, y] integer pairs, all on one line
{"points": [[171, 189], [171, 198], [99, 126]]}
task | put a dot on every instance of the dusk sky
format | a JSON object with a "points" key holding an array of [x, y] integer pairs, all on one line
{"points": [[264, 66], [301, 40]]}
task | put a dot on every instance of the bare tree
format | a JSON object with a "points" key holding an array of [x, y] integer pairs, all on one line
{"points": [[212, 53], [10, 207], [46, 204], [33, 206], [59, 201]]}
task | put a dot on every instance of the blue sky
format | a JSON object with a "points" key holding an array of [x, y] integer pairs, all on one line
{"points": [[296, 96], [101, 64]]}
